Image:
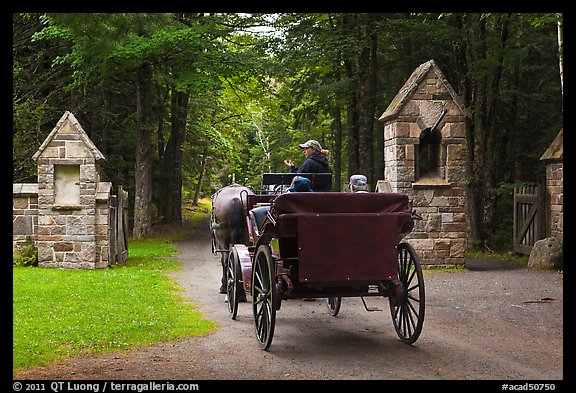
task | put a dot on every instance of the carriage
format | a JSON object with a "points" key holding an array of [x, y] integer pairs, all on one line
{"points": [[328, 245]]}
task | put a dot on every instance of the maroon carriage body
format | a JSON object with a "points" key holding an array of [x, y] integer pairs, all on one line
{"points": [[342, 238]]}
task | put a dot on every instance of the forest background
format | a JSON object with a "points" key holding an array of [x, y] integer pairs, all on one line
{"points": [[181, 104]]}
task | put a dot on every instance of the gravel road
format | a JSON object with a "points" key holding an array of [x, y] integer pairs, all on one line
{"points": [[495, 321]]}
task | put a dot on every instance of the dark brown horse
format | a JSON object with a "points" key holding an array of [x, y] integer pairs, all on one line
{"points": [[228, 224]]}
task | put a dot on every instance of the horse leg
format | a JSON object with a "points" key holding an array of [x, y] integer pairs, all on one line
{"points": [[224, 262], [222, 244]]}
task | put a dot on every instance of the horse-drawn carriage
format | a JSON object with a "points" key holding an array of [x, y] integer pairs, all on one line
{"points": [[325, 245]]}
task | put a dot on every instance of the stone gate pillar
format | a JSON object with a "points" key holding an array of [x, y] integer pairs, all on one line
{"points": [[69, 224], [425, 157], [554, 156]]}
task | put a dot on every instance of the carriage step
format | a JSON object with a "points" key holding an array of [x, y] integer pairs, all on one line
{"points": [[369, 308]]}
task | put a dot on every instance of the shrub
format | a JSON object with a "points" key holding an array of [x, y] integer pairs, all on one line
{"points": [[25, 254]]}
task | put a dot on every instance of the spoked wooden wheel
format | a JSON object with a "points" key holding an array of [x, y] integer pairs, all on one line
{"points": [[408, 312], [233, 286], [263, 296], [333, 305]]}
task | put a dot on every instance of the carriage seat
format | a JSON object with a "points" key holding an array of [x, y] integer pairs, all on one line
{"points": [[257, 216]]}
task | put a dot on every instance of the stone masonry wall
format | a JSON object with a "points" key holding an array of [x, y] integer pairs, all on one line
{"points": [[555, 187], [24, 213], [25, 221]]}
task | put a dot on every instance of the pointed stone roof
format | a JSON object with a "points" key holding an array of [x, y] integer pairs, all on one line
{"points": [[68, 118], [405, 93], [556, 149]]}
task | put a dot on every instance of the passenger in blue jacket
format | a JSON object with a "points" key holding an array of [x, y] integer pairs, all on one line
{"points": [[316, 160]]}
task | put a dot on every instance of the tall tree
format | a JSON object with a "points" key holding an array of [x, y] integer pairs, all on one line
{"points": [[105, 44], [502, 88], [171, 191], [560, 25], [367, 88], [475, 25], [144, 153]]}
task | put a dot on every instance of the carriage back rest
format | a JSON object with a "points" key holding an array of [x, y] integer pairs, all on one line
{"points": [[320, 181], [359, 205], [342, 202]]}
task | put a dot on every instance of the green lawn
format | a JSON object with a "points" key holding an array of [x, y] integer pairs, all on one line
{"points": [[59, 313]]}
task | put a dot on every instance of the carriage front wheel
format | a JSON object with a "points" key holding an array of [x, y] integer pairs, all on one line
{"points": [[408, 312], [264, 296]]}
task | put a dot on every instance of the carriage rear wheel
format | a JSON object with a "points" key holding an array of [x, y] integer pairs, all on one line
{"points": [[333, 305], [408, 312], [233, 286], [264, 296]]}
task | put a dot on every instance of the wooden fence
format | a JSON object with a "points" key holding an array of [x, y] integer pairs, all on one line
{"points": [[529, 224], [118, 227]]}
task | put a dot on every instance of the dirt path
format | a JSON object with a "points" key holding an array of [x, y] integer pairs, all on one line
{"points": [[494, 322]]}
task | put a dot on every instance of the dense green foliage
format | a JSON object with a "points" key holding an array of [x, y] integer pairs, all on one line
{"points": [[181, 104], [59, 313]]}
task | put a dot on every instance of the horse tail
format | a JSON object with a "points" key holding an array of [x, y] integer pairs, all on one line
{"points": [[238, 228]]}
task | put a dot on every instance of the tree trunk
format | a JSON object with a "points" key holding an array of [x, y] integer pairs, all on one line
{"points": [[477, 142], [493, 99], [200, 179], [171, 199], [508, 145], [352, 110], [561, 51], [367, 86], [144, 156], [337, 157], [337, 125]]}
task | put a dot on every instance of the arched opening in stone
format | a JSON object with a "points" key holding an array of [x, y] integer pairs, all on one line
{"points": [[429, 158]]}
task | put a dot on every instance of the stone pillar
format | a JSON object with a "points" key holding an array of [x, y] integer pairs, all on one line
{"points": [[67, 183], [424, 157], [554, 158]]}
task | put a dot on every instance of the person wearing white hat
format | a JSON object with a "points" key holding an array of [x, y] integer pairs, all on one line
{"points": [[358, 183], [316, 160]]}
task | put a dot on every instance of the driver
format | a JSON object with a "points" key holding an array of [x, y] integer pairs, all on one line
{"points": [[316, 160]]}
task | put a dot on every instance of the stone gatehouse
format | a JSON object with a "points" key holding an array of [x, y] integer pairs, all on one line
{"points": [[425, 158], [67, 213]]}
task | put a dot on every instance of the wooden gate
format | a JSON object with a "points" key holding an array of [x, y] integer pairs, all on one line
{"points": [[528, 218], [118, 227]]}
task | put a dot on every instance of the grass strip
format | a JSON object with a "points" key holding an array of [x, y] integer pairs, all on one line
{"points": [[60, 313]]}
